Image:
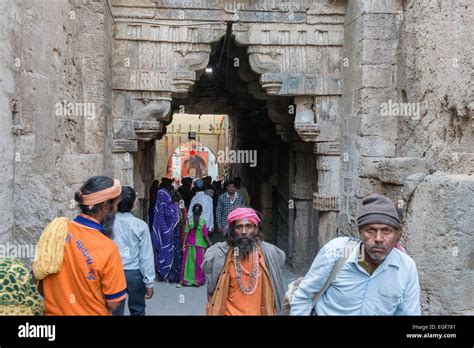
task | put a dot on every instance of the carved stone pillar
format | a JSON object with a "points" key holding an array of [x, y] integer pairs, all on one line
{"points": [[327, 200], [306, 228]]}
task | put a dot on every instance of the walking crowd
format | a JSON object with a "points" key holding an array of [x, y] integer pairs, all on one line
{"points": [[201, 233]]}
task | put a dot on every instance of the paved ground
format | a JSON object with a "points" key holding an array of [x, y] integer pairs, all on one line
{"points": [[170, 300]]}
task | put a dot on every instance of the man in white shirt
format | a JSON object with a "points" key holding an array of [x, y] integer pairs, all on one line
{"points": [[132, 237], [376, 279], [206, 203]]}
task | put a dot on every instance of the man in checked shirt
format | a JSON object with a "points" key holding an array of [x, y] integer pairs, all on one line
{"points": [[226, 202]]}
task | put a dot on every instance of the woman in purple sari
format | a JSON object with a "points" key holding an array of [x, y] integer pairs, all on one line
{"points": [[166, 217]]}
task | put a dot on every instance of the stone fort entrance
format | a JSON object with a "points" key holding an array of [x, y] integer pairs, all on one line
{"points": [[340, 99], [280, 84]]}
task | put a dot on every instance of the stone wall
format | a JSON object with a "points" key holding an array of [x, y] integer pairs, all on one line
{"points": [[369, 70], [440, 239], [382, 98], [407, 114], [435, 74], [55, 97], [9, 26], [435, 63]]}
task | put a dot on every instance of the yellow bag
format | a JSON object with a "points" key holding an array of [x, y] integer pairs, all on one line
{"points": [[50, 249]]}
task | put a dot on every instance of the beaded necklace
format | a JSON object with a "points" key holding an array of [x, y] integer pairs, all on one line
{"points": [[249, 290]]}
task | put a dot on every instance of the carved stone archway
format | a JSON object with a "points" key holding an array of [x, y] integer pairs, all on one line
{"points": [[294, 47]]}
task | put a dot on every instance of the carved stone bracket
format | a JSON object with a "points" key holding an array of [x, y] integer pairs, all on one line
{"points": [[318, 118], [307, 131], [295, 59], [154, 60], [326, 203], [163, 56], [327, 149], [154, 108], [124, 145], [328, 165], [305, 123], [148, 130], [301, 60]]}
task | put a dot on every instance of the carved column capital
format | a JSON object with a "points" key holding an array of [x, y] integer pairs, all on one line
{"points": [[328, 166], [124, 145], [288, 56], [324, 202], [327, 148], [161, 56], [305, 123], [154, 60]]}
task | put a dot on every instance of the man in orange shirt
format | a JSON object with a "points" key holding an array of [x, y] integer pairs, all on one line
{"points": [[244, 273], [91, 280]]}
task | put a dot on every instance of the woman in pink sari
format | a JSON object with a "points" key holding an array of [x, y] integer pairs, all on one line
{"points": [[195, 244]]}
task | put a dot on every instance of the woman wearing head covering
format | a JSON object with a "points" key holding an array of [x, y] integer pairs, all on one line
{"points": [[195, 245], [166, 218], [18, 293], [151, 209], [174, 274]]}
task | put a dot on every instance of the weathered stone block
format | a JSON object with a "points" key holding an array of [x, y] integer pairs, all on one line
{"points": [[397, 170], [440, 224], [77, 168], [367, 166], [366, 187], [375, 146], [378, 6], [376, 125], [371, 101], [410, 185], [377, 76], [378, 26], [378, 51]]}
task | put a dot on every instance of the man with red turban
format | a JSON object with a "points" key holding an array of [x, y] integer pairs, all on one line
{"points": [[244, 273]]}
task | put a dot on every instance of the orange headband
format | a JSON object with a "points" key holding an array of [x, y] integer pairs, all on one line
{"points": [[104, 195]]}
